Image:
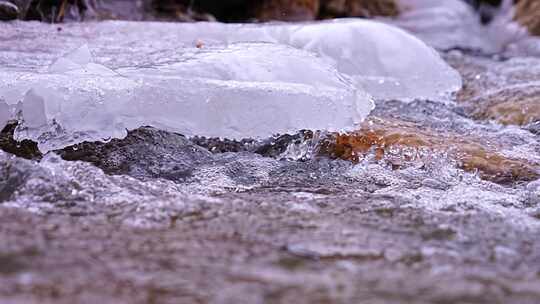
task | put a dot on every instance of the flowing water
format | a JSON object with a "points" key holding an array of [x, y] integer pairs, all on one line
{"points": [[450, 214]]}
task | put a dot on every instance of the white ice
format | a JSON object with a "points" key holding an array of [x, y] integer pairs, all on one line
{"points": [[384, 60], [240, 81], [236, 91], [6, 113]]}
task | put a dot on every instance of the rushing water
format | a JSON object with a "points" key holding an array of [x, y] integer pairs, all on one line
{"points": [[157, 217]]}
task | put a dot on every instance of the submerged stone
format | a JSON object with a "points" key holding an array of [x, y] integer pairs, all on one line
{"points": [[145, 152], [398, 143]]}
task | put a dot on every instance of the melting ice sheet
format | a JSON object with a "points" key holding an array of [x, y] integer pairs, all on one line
{"points": [[210, 79]]}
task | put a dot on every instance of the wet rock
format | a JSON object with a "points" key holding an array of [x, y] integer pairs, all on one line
{"points": [[252, 246], [509, 107], [534, 128], [150, 153], [25, 149], [506, 92], [398, 143], [495, 167], [121, 10], [478, 3], [279, 147], [184, 11], [55, 10], [301, 10], [272, 147], [287, 10], [10, 264], [359, 8], [13, 172], [487, 9], [8, 11], [223, 145], [528, 15], [145, 152], [226, 10]]}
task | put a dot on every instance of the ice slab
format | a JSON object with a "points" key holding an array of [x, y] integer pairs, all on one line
{"points": [[238, 91], [389, 62], [211, 79]]}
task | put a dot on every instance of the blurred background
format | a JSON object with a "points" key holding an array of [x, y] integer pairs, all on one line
{"points": [[527, 12]]}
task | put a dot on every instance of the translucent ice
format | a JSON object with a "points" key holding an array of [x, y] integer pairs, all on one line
{"points": [[79, 62], [75, 60], [5, 113], [211, 79], [384, 60], [238, 91], [387, 61]]}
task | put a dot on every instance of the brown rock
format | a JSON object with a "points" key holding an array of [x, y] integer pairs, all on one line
{"points": [[179, 10], [528, 15], [510, 107], [287, 10], [398, 142], [210, 10], [506, 92], [54, 10], [358, 8]]}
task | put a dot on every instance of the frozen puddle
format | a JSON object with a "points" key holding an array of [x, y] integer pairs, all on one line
{"points": [[218, 80]]}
